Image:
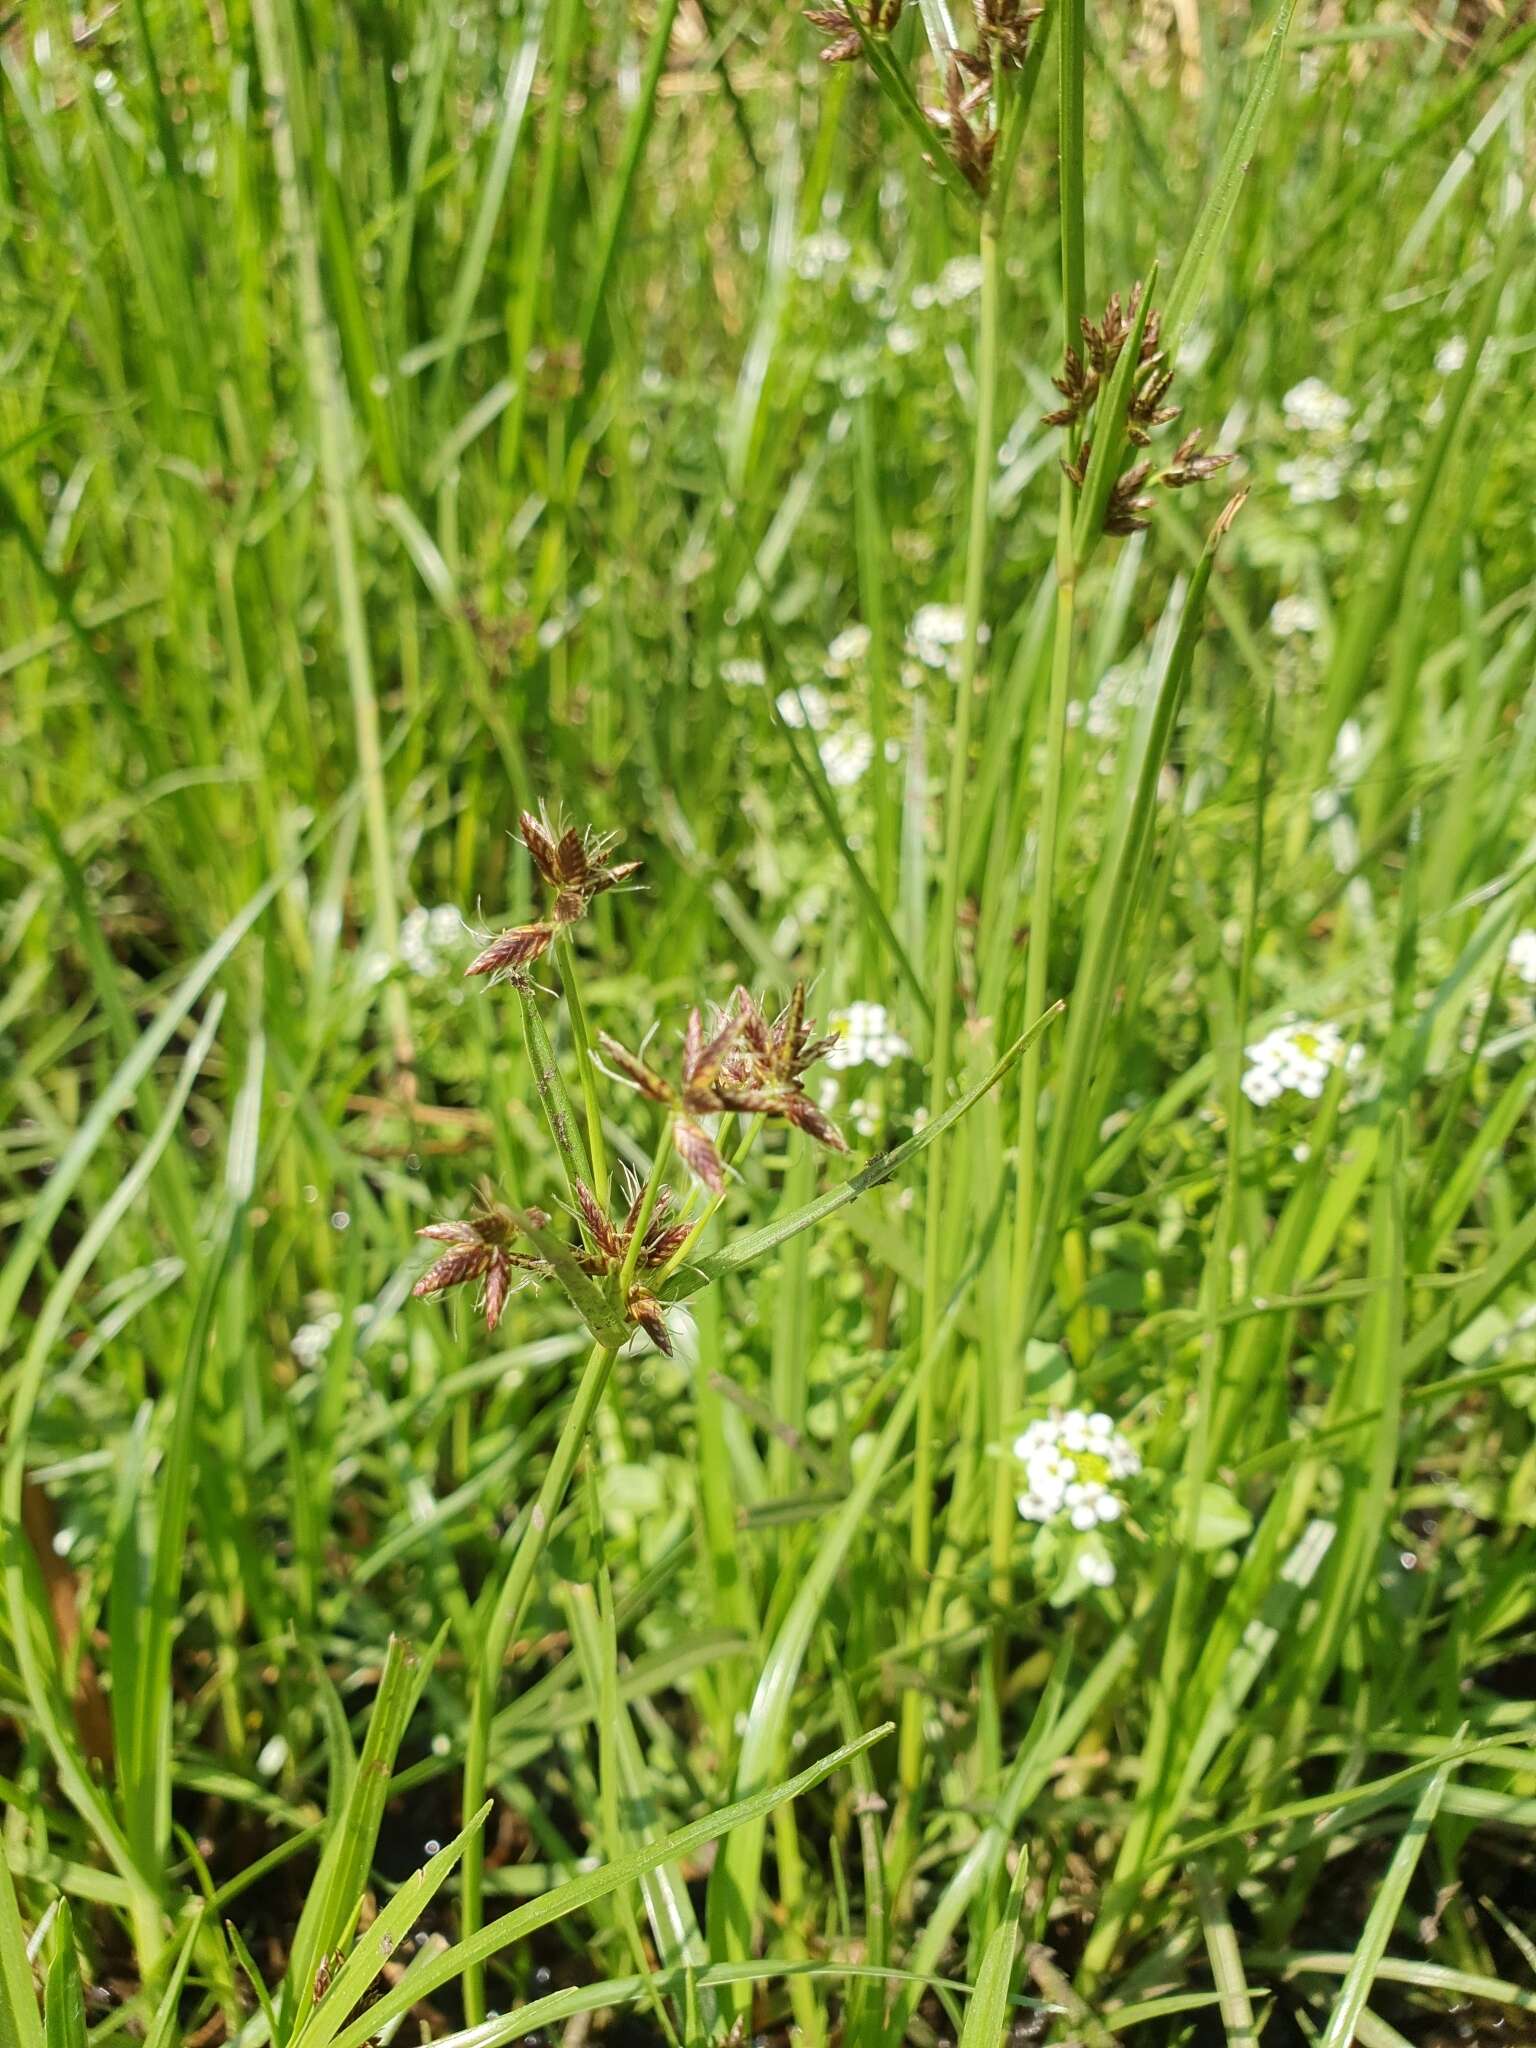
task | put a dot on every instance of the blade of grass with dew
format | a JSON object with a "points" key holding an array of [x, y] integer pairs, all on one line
{"points": [[378, 1943], [580, 1891], [331, 1904], [1361, 1974]]}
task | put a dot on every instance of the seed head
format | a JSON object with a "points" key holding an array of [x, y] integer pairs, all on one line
{"points": [[1126, 504], [842, 24], [1004, 27], [479, 1249], [578, 867], [1189, 466]]}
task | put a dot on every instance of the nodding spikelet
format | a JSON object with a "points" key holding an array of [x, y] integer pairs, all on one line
{"points": [[643, 1309], [1190, 466], [1004, 26], [1126, 504], [608, 1240], [479, 1251], [509, 950], [634, 1070], [696, 1149]]}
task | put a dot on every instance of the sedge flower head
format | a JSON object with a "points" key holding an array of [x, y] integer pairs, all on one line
{"points": [[742, 1061], [1295, 1057], [577, 866], [1075, 1469]]}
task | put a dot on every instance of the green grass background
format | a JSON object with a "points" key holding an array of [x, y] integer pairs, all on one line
{"points": [[411, 412]]}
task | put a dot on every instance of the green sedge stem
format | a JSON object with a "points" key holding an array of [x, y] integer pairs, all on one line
{"points": [[566, 954], [712, 1208], [921, 1542], [506, 1617], [643, 1216]]}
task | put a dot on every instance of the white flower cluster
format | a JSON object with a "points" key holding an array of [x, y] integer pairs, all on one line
{"points": [[845, 650], [1314, 479], [1295, 1056], [1311, 408], [960, 279], [742, 672], [429, 938], [1522, 957], [311, 1341], [1290, 616], [865, 1037], [804, 707], [1075, 1466], [1102, 715], [845, 755], [936, 631]]}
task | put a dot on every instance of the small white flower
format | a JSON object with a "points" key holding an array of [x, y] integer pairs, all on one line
{"points": [[959, 279], [1096, 1568], [743, 673], [1074, 1466], [1451, 355], [845, 755], [1312, 408], [847, 649], [1522, 957], [1296, 1057], [427, 936], [936, 633], [902, 339], [819, 253], [865, 1037], [805, 707], [1290, 616], [1313, 479], [934, 630], [311, 1341]]}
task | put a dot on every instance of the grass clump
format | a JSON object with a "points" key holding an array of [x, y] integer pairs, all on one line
{"points": [[1015, 538]]}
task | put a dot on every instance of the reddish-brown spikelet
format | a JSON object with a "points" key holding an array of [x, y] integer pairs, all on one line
{"points": [[696, 1149], [643, 1308], [608, 1240], [512, 949], [800, 1111], [635, 1070], [465, 1262]]}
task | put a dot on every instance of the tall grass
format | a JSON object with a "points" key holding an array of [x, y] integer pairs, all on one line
{"points": [[413, 414]]}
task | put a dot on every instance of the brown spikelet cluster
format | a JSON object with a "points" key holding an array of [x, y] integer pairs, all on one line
{"points": [[608, 1248], [576, 866], [1004, 26], [971, 147], [744, 1063], [842, 24], [1082, 378], [480, 1249]]}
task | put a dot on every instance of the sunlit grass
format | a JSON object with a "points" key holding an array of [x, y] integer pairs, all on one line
{"points": [[412, 417]]}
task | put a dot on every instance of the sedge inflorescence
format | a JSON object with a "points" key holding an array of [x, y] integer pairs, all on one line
{"points": [[1297, 1057], [1075, 1468]]}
